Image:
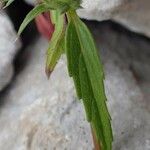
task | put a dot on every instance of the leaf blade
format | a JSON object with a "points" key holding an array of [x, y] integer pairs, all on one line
{"points": [[95, 72], [8, 2], [55, 49], [72, 43], [87, 94], [31, 15], [96, 76]]}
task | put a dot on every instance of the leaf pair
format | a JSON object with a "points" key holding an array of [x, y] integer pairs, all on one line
{"points": [[85, 68]]}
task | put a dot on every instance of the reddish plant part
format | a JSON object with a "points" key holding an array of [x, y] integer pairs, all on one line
{"points": [[95, 142], [44, 25]]}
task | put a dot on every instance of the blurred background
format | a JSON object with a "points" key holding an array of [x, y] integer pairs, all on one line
{"points": [[41, 114]]}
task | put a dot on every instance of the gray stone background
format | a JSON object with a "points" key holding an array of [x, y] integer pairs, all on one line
{"points": [[41, 114]]}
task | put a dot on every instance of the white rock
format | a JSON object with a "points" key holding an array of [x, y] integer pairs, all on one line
{"points": [[8, 49], [99, 9], [133, 14], [39, 114]]}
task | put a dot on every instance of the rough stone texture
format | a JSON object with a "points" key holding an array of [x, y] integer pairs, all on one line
{"points": [[38, 114], [42, 114], [129, 98], [8, 49]]}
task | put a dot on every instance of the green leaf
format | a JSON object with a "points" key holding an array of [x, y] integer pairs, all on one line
{"points": [[73, 50], [56, 45], [97, 126], [9, 2], [87, 94], [100, 116], [95, 72], [31, 15]]}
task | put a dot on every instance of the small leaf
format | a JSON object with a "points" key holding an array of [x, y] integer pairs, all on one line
{"points": [[8, 3], [56, 45], [31, 15], [53, 58]]}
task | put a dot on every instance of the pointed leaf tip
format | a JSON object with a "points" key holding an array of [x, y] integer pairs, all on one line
{"points": [[31, 15], [9, 2], [48, 72]]}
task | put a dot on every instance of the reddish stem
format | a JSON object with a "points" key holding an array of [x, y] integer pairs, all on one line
{"points": [[95, 142], [44, 25]]}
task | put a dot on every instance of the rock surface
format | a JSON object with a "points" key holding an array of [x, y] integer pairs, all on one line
{"points": [[133, 14], [42, 114], [38, 114], [8, 49]]}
